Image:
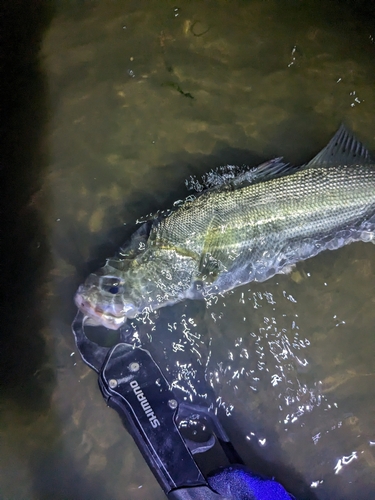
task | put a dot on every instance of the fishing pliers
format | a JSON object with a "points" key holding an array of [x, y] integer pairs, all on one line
{"points": [[166, 430]]}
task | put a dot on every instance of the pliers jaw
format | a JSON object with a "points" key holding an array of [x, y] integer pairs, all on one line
{"points": [[133, 384]]}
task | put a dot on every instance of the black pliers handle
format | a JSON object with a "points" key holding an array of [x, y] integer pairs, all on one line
{"points": [[133, 384]]}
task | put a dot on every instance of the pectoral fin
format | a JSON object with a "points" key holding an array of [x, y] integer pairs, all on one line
{"points": [[215, 254]]}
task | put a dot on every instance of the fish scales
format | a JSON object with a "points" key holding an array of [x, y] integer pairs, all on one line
{"points": [[240, 232], [312, 204]]}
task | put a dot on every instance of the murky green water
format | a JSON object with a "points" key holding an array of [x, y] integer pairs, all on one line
{"points": [[142, 95]]}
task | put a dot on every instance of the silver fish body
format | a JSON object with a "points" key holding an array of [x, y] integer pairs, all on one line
{"points": [[248, 229]]}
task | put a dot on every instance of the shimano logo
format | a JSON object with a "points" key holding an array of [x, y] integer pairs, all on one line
{"points": [[145, 404]]}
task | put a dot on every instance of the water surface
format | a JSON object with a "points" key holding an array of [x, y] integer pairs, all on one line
{"points": [[141, 96]]}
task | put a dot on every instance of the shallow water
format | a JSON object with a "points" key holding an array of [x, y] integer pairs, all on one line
{"points": [[142, 95]]}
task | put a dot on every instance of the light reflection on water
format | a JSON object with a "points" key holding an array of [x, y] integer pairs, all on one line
{"points": [[282, 359], [295, 376], [289, 363]]}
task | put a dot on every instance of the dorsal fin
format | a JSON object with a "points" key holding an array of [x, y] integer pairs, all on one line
{"points": [[264, 172], [343, 149], [268, 170]]}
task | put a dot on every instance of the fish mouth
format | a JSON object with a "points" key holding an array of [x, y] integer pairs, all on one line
{"points": [[96, 316]]}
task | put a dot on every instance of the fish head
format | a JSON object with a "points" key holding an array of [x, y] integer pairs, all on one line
{"points": [[104, 301]]}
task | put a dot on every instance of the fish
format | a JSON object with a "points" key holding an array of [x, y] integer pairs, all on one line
{"points": [[249, 227]]}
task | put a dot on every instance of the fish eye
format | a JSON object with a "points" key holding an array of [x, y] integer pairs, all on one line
{"points": [[112, 285]]}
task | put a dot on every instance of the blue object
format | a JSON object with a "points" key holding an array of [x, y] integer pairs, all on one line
{"points": [[238, 483]]}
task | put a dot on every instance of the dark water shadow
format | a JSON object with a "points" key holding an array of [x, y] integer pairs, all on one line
{"points": [[24, 158], [27, 372]]}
